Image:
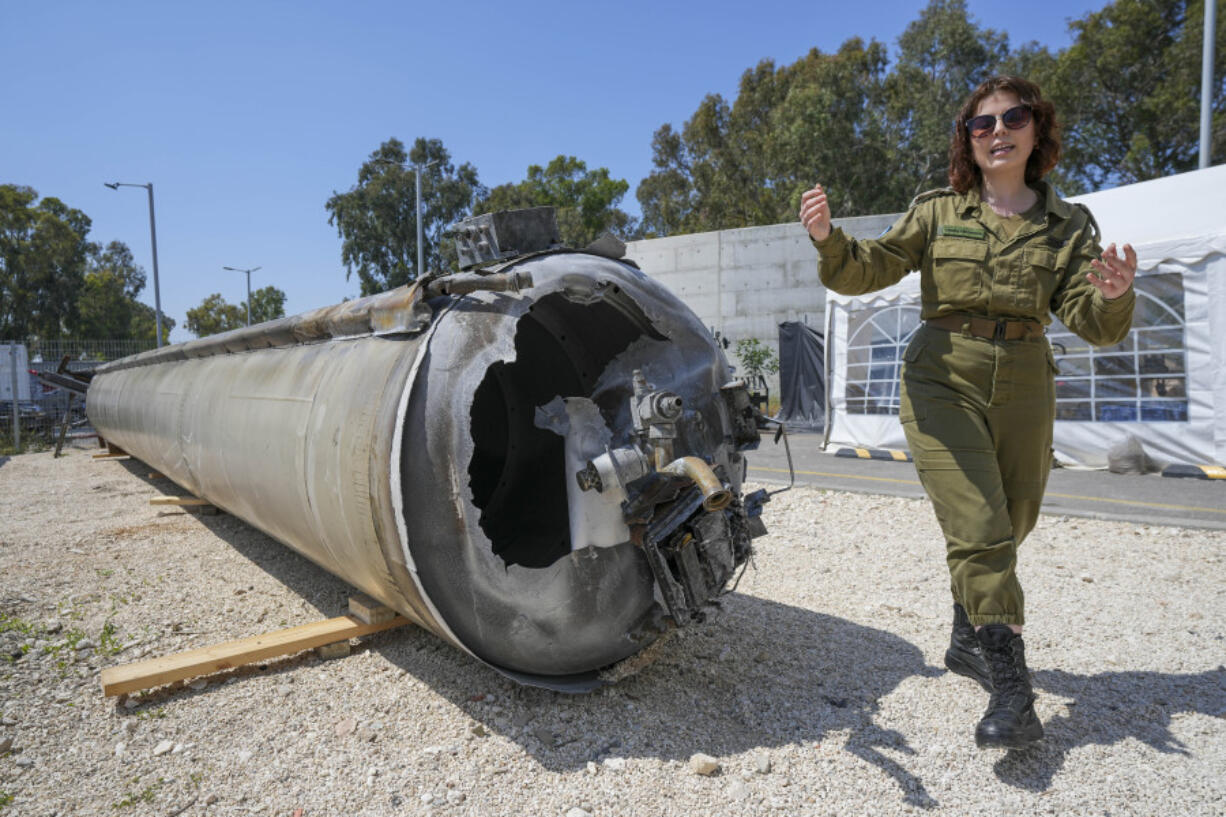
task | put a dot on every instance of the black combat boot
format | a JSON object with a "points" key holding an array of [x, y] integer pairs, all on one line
{"points": [[1010, 721], [964, 655]]}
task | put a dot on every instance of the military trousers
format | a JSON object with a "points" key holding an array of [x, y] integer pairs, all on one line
{"points": [[978, 415]]}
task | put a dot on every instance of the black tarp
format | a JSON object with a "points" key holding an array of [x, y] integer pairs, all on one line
{"points": [[802, 378]]}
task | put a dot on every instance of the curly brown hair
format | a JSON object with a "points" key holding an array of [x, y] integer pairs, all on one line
{"points": [[964, 173]]}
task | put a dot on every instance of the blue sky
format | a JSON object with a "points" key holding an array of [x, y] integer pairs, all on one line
{"points": [[248, 116]]}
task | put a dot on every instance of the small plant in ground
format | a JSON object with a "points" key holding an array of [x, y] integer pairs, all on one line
{"points": [[145, 796], [108, 639], [13, 624], [5, 799]]}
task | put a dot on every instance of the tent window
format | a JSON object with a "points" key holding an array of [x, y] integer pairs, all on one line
{"points": [[875, 343], [1143, 379]]}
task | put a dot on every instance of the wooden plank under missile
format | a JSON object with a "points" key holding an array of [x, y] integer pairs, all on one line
{"points": [[207, 660]]}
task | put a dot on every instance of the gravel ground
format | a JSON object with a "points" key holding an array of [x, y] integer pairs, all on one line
{"points": [[817, 687]]}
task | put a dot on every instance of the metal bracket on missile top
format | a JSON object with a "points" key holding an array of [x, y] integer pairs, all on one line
{"points": [[492, 237]]}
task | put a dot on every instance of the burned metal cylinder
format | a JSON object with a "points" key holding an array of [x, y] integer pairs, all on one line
{"points": [[427, 451]]}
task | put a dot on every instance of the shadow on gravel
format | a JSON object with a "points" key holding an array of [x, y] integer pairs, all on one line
{"points": [[1108, 708], [317, 587], [756, 675]]}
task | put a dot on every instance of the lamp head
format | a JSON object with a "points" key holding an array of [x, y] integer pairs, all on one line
{"points": [[112, 185]]}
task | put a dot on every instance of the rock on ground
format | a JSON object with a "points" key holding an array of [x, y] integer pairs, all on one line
{"points": [[827, 660]]}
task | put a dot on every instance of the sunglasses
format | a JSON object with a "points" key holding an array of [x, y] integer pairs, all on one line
{"points": [[1015, 118]]}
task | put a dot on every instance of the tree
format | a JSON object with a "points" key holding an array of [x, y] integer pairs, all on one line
{"points": [[216, 315], [716, 173], [943, 56], [586, 200], [107, 305], [267, 303], [43, 252], [144, 323], [823, 117], [1128, 92], [874, 138], [377, 219]]}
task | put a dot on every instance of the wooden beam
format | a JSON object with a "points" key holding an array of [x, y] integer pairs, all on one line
{"points": [[111, 457], [207, 660], [178, 500]]}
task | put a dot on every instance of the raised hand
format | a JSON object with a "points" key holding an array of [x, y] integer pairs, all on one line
{"points": [[815, 212], [1115, 274]]}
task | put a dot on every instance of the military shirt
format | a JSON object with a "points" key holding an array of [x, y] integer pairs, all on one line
{"points": [[968, 263]]}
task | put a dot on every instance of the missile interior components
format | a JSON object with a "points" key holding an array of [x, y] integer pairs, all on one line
{"points": [[434, 453]]}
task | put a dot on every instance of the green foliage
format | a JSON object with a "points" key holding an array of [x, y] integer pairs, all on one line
{"points": [[377, 219], [747, 163], [267, 303], [14, 624], [5, 799], [107, 304], [108, 639], [56, 284], [756, 358], [216, 315], [586, 200], [943, 57], [146, 795], [43, 254], [1127, 93]]}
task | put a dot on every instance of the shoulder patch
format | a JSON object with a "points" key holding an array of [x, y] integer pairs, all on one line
{"points": [[933, 194], [961, 231], [1098, 234]]}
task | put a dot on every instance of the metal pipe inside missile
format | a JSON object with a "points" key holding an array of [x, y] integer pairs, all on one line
{"points": [[715, 496]]}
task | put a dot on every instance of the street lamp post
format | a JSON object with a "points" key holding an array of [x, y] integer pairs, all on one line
{"points": [[1206, 85], [417, 169], [153, 237], [417, 175], [248, 271]]}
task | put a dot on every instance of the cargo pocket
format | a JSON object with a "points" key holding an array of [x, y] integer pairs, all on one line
{"points": [[1038, 280], [958, 269]]}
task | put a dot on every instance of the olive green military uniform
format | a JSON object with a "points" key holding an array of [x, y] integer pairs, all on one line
{"points": [[978, 396]]}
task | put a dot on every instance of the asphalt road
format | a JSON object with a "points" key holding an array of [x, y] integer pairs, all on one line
{"points": [[1151, 499]]}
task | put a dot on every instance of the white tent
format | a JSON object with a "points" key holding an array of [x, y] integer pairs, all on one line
{"points": [[1165, 384]]}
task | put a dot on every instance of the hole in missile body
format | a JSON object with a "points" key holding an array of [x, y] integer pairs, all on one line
{"points": [[517, 473]]}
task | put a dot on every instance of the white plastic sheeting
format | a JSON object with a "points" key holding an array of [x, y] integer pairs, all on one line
{"points": [[1165, 384]]}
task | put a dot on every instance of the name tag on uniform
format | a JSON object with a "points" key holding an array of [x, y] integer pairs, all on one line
{"points": [[961, 231]]}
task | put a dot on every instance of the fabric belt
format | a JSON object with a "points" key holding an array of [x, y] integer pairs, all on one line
{"points": [[978, 327]]}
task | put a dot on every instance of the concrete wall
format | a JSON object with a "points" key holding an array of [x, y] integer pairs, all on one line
{"points": [[744, 283]]}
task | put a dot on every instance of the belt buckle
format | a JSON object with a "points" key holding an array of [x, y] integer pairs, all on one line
{"points": [[999, 331]]}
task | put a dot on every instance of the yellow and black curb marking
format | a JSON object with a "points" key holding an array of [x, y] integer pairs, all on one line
{"points": [[874, 454], [1195, 471]]}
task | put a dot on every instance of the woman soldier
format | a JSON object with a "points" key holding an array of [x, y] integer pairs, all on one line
{"points": [[998, 253]]}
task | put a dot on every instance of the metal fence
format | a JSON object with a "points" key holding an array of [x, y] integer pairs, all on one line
{"points": [[41, 414]]}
